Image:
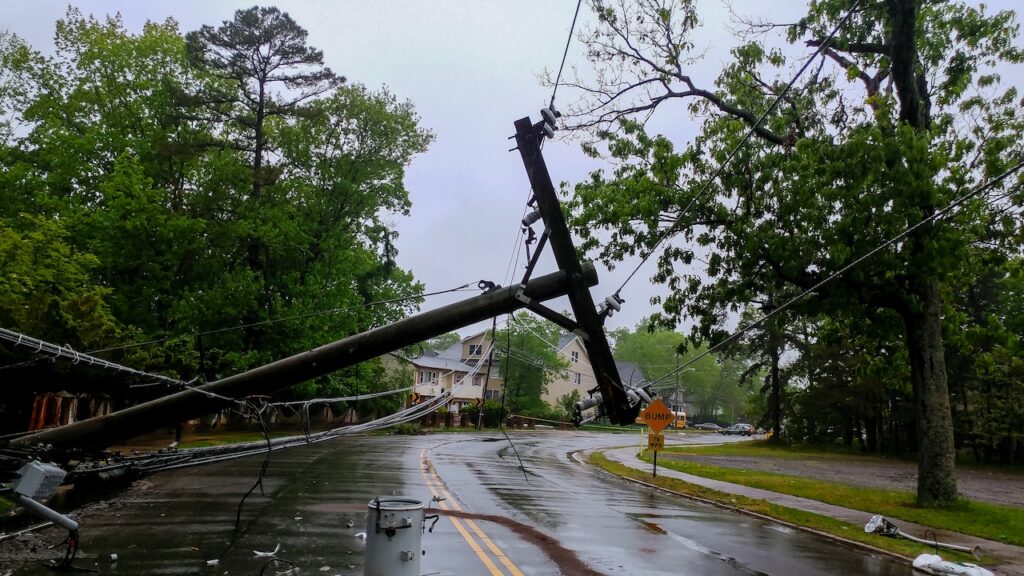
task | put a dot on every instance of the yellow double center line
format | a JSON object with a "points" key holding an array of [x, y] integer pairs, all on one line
{"points": [[450, 503]]}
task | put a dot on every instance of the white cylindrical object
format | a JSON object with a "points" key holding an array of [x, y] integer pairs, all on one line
{"points": [[394, 532], [46, 513]]}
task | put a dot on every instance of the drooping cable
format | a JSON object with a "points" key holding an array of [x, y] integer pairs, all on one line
{"points": [[162, 461], [504, 385], [736, 149], [257, 411], [76, 357], [354, 398]]}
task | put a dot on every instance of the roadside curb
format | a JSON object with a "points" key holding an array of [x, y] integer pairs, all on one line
{"points": [[575, 456]]}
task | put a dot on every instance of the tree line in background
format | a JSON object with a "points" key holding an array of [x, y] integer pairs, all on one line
{"points": [[720, 388], [160, 190], [915, 349]]}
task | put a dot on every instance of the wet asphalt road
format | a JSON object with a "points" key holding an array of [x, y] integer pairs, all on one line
{"points": [[561, 518]]}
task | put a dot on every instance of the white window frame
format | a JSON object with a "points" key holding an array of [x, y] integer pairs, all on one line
{"points": [[575, 355]]}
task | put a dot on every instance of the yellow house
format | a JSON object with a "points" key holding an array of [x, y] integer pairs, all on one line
{"points": [[438, 370], [454, 368], [579, 376]]}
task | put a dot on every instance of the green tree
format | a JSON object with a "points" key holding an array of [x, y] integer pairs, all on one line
{"points": [[265, 71], [259, 49], [840, 167], [566, 402], [529, 361], [444, 341], [46, 286], [144, 195], [658, 351]]}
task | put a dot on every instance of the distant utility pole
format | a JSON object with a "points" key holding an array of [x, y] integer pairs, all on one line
{"points": [[487, 378]]}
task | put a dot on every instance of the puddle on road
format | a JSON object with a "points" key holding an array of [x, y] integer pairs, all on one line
{"points": [[647, 524]]}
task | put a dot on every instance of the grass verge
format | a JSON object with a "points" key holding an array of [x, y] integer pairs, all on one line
{"points": [[815, 522], [991, 521], [762, 448]]}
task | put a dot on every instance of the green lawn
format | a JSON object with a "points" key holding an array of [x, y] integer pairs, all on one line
{"points": [[991, 521], [763, 448]]}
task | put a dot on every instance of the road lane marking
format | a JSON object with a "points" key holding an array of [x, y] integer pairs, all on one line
{"points": [[480, 534], [488, 563]]}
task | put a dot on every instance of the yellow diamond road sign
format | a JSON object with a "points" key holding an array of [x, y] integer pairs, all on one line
{"points": [[657, 415]]}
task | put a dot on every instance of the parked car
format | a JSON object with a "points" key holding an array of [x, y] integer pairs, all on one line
{"points": [[707, 426], [741, 429]]}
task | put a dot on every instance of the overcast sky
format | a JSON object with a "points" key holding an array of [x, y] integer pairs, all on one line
{"points": [[470, 67]]}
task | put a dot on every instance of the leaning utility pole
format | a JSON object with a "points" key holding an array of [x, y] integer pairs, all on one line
{"points": [[588, 325], [102, 431]]}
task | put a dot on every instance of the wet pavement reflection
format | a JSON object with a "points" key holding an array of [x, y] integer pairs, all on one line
{"points": [[315, 502], [621, 528]]}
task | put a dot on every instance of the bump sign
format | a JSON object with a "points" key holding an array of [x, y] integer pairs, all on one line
{"points": [[657, 416]]}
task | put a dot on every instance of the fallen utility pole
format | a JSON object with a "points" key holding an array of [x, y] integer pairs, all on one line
{"points": [[102, 431], [587, 324]]}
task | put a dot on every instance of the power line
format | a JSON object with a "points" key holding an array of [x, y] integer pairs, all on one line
{"points": [[261, 323], [565, 53], [76, 357], [287, 318], [732, 154], [354, 398], [939, 214]]}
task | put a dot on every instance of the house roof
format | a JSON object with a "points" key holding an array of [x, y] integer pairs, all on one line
{"points": [[453, 352], [629, 373], [565, 340], [440, 363]]}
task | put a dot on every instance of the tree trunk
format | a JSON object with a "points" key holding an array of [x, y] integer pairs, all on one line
{"points": [[936, 480], [871, 429], [775, 397]]}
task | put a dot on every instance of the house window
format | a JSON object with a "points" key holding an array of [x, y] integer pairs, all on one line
{"points": [[492, 395], [495, 371], [575, 356], [477, 380], [475, 349], [576, 378], [427, 377]]}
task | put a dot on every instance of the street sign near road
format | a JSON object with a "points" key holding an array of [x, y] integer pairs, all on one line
{"points": [[655, 442], [657, 416]]}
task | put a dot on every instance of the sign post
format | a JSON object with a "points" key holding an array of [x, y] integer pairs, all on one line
{"points": [[657, 416]]}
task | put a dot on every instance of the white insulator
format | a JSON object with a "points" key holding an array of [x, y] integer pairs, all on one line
{"points": [[549, 115], [643, 395], [587, 403], [633, 397], [549, 130], [531, 218], [613, 303]]}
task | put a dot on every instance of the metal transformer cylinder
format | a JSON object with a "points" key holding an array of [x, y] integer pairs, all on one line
{"points": [[394, 532]]}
